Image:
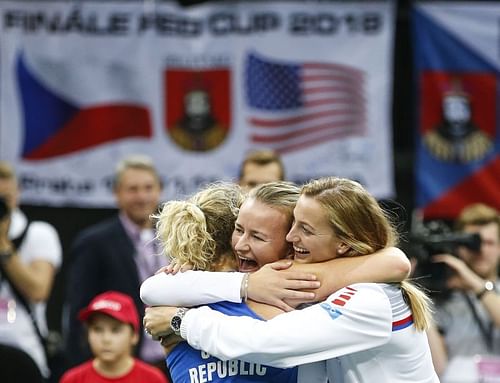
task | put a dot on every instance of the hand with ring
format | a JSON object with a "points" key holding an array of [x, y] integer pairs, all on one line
{"points": [[169, 342], [156, 321]]}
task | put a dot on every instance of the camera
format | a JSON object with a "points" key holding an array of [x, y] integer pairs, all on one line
{"points": [[436, 238], [4, 208]]}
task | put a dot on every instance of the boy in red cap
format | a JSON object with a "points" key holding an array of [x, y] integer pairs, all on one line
{"points": [[113, 331]]}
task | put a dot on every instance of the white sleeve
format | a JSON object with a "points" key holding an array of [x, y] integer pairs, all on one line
{"points": [[191, 288], [42, 243], [353, 319]]}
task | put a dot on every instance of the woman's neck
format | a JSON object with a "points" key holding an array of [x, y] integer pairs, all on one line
{"points": [[263, 310]]}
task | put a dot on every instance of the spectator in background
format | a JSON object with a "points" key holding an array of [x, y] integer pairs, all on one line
{"points": [[30, 254], [113, 331], [260, 167], [469, 320], [117, 254]]}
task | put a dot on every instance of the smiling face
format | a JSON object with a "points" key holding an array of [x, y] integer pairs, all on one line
{"points": [[312, 235], [138, 193], [259, 235]]}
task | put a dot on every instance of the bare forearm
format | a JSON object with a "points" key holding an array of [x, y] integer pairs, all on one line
{"points": [[464, 278], [33, 280], [491, 302], [386, 265], [438, 349]]}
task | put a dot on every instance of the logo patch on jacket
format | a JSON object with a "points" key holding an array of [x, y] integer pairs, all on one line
{"points": [[332, 308]]}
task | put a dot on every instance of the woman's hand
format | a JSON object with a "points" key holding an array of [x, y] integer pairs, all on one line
{"points": [[156, 321], [174, 267], [275, 285], [169, 342]]}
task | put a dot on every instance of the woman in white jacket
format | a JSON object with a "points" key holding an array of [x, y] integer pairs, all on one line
{"points": [[362, 333]]}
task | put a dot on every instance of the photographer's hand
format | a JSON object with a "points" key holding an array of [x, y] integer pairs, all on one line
{"points": [[33, 279], [464, 278]]}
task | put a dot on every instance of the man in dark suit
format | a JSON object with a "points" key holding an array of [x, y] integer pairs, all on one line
{"points": [[117, 254]]}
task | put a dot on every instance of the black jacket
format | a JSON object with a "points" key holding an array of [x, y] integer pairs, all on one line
{"points": [[101, 259]]}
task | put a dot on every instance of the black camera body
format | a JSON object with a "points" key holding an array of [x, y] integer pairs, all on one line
{"points": [[436, 238], [4, 208]]}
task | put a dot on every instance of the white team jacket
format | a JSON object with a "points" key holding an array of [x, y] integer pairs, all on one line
{"points": [[364, 332]]}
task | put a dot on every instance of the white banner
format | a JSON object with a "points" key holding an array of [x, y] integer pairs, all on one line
{"points": [[84, 84]]}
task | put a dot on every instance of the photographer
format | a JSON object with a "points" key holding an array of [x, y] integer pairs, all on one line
{"points": [[468, 322], [30, 253]]}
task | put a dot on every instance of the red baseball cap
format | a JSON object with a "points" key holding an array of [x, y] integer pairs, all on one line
{"points": [[115, 304]]}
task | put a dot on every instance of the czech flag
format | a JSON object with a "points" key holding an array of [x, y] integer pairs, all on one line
{"points": [[55, 126]]}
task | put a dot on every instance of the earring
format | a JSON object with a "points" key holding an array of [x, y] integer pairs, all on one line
{"points": [[341, 249]]}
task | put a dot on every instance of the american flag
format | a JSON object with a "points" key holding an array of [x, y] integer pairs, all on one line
{"points": [[296, 105]]}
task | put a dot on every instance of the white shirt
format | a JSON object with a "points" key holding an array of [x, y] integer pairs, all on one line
{"points": [[363, 333], [16, 329]]}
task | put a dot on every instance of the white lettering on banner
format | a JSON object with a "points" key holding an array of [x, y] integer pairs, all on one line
{"points": [[222, 368]]}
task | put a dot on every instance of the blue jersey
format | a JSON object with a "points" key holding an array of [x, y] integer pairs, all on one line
{"points": [[188, 365]]}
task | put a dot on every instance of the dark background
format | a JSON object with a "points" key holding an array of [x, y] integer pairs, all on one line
{"points": [[70, 220]]}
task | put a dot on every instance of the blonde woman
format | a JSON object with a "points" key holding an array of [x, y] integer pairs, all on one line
{"points": [[362, 332], [199, 231]]}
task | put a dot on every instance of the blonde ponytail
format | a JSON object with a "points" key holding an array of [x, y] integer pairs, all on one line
{"points": [[198, 231], [182, 230], [420, 305]]}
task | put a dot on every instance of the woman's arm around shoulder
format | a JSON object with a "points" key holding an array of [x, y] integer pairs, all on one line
{"points": [[335, 327], [387, 265], [191, 288]]}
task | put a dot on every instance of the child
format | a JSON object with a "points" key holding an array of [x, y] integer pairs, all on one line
{"points": [[113, 331]]}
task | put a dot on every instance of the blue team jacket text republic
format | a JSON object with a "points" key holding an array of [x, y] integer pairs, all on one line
{"points": [[188, 365]]}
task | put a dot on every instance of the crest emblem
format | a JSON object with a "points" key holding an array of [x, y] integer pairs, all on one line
{"points": [[197, 105], [458, 135]]}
